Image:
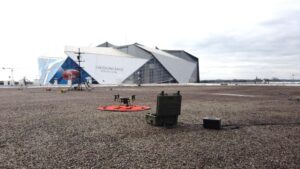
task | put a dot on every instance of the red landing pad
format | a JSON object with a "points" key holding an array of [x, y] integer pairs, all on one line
{"points": [[123, 108]]}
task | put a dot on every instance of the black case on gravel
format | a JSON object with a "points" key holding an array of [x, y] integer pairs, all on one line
{"points": [[168, 109]]}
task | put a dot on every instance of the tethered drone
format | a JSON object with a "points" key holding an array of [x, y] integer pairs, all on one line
{"points": [[125, 105]]}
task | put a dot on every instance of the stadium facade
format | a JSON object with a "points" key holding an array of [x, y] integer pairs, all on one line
{"points": [[128, 64]]}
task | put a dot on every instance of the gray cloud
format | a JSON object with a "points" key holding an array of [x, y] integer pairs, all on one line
{"points": [[271, 38], [270, 49]]}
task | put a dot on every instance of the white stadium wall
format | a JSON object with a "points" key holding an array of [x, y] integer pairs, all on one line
{"points": [[109, 69], [110, 64]]}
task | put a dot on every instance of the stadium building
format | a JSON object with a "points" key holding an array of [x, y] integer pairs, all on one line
{"points": [[129, 64]]}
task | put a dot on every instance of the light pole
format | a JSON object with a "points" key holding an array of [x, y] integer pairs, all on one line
{"points": [[11, 76]]}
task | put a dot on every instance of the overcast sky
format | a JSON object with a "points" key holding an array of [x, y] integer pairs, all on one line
{"points": [[231, 38]]}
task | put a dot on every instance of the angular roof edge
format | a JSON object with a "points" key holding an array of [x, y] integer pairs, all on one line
{"points": [[106, 44], [182, 51]]}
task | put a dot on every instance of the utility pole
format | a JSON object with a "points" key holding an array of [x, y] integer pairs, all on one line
{"points": [[11, 76], [293, 75], [79, 68]]}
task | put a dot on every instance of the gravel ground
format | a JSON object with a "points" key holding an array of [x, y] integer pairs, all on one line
{"points": [[48, 129]]}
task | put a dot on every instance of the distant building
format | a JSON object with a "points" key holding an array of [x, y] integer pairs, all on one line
{"points": [[129, 64]]}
